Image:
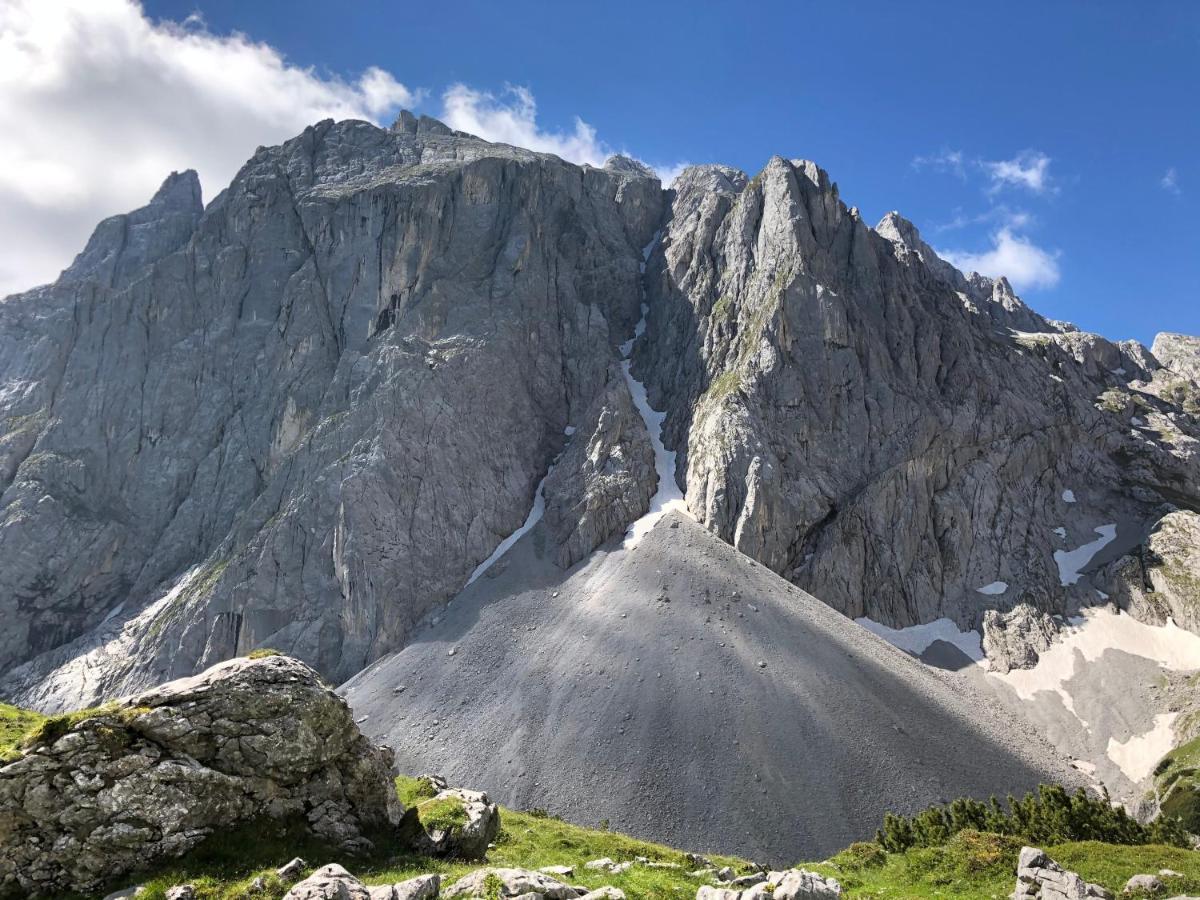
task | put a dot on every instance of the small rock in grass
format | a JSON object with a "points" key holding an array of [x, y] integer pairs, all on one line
{"points": [[291, 871]]}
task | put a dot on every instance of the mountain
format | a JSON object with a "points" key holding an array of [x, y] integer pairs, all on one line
{"points": [[394, 388]]}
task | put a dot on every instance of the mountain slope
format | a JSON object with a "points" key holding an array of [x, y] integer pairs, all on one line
{"points": [[680, 690]]}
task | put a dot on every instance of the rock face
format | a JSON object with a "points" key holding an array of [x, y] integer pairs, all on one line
{"points": [[886, 432], [1040, 876], [154, 775], [1178, 352], [1161, 579], [605, 478], [300, 419]]}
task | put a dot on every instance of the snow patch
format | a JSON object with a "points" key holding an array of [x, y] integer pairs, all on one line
{"points": [[1138, 756], [535, 516], [1087, 637], [1071, 562], [1061, 532], [916, 639], [667, 495], [993, 589], [1068, 496]]}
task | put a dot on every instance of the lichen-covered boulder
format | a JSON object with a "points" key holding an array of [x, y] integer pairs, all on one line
{"points": [[151, 776]]}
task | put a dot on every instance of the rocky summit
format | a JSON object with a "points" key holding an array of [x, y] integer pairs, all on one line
{"points": [[585, 490]]}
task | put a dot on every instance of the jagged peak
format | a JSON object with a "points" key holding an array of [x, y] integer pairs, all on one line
{"points": [[715, 177], [627, 165], [179, 192]]}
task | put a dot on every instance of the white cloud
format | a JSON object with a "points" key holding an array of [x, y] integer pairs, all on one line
{"points": [[1170, 181], [1013, 256], [1029, 169], [511, 118], [1004, 216], [943, 161], [98, 103]]}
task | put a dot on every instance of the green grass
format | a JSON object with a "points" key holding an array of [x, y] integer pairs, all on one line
{"points": [[1177, 780], [15, 723], [224, 866], [979, 866], [262, 653], [972, 865], [442, 815]]}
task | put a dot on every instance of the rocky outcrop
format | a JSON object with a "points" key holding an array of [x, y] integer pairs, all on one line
{"points": [[333, 882], [888, 433], [1161, 579], [1178, 352], [1040, 876], [605, 478], [458, 824], [1015, 639], [792, 884], [300, 419], [487, 884], [105, 793]]}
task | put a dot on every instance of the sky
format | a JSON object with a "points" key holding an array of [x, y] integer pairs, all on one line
{"points": [[1054, 142]]}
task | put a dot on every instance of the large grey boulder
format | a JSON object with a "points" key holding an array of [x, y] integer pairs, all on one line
{"points": [[154, 775], [331, 882], [1015, 639]]}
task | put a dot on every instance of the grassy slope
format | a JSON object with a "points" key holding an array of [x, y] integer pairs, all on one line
{"points": [[1177, 778], [977, 866], [223, 868], [972, 866], [14, 723]]}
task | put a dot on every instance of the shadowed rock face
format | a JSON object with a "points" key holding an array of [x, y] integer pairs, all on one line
{"points": [[155, 775], [886, 432], [301, 419]]}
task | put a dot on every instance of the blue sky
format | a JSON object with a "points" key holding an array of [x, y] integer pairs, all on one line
{"points": [[1059, 139]]}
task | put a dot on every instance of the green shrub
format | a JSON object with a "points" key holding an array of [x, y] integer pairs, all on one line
{"points": [[1049, 816], [262, 653]]}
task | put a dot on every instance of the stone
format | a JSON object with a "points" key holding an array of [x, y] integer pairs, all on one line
{"points": [[603, 863], [558, 871], [423, 887], [290, 871], [1149, 884], [1015, 639], [331, 882], [460, 840], [182, 892], [153, 775], [512, 883], [604, 893], [1040, 876]]}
